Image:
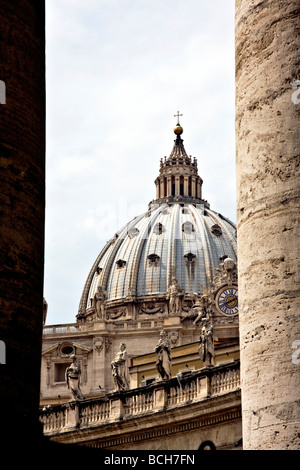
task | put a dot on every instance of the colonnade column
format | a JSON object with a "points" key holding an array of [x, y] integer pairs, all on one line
{"points": [[268, 220]]}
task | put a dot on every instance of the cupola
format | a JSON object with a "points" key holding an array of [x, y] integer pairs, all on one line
{"points": [[178, 179]]}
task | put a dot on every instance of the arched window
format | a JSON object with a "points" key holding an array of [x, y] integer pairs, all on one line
{"points": [[216, 230], [158, 229], [153, 260], [189, 258], [207, 445], [188, 227], [120, 263], [181, 185], [133, 232], [2, 352]]}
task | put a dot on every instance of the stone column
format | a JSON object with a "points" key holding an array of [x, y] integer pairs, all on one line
{"points": [[157, 188], [199, 195], [193, 186], [268, 222], [177, 186], [186, 186], [162, 189], [22, 182], [169, 186]]}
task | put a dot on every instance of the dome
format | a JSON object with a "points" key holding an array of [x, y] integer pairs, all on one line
{"points": [[187, 242], [179, 236]]}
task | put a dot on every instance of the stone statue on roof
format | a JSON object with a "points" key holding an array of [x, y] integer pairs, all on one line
{"points": [[163, 361], [119, 369], [73, 373]]}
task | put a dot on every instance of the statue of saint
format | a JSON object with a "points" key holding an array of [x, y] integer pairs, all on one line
{"points": [[100, 298], [163, 361], [206, 348], [73, 373], [119, 369], [174, 294]]}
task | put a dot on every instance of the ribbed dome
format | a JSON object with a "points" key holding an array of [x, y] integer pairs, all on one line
{"points": [[179, 236], [183, 241]]}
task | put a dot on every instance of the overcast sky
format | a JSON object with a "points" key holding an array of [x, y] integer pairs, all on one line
{"points": [[117, 72]]}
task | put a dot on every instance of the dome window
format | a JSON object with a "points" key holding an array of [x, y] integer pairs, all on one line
{"points": [[133, 232], [216, 230], [188, 227], [114, 238], [120, 263], [153, 259], [158, 229], [190, 258]]}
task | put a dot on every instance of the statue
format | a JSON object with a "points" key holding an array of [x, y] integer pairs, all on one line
{"points": [[174, 294], [100, 298], [163, 361], [226, 273], [200, 310], [72, 375], [119, 369], [230, 271], [206, 348]]}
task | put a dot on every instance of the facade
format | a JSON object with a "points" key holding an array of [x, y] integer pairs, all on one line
{"points": [[168, 277]]}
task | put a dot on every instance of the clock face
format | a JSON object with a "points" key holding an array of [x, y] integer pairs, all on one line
{"points": [[227, 301]]}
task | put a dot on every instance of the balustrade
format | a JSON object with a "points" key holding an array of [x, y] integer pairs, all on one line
{"points": [[225, 381], [79, 327], [139, 403], [177, 391], [54, 420]]}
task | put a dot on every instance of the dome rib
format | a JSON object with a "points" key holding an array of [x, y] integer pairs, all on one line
{"points": [[171, 266], [134, 266], [84, 297], [138, 269]]}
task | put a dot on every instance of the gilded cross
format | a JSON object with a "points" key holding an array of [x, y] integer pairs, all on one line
{"points": [[177, 115]]}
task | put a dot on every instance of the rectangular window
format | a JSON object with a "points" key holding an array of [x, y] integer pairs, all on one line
{"points": [[60, 370]]}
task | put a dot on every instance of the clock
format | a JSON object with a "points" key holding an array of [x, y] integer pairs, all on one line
{"points": [[227, 301]]}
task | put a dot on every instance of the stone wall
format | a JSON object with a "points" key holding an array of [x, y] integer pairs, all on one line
{"points": [[268, 209]]}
